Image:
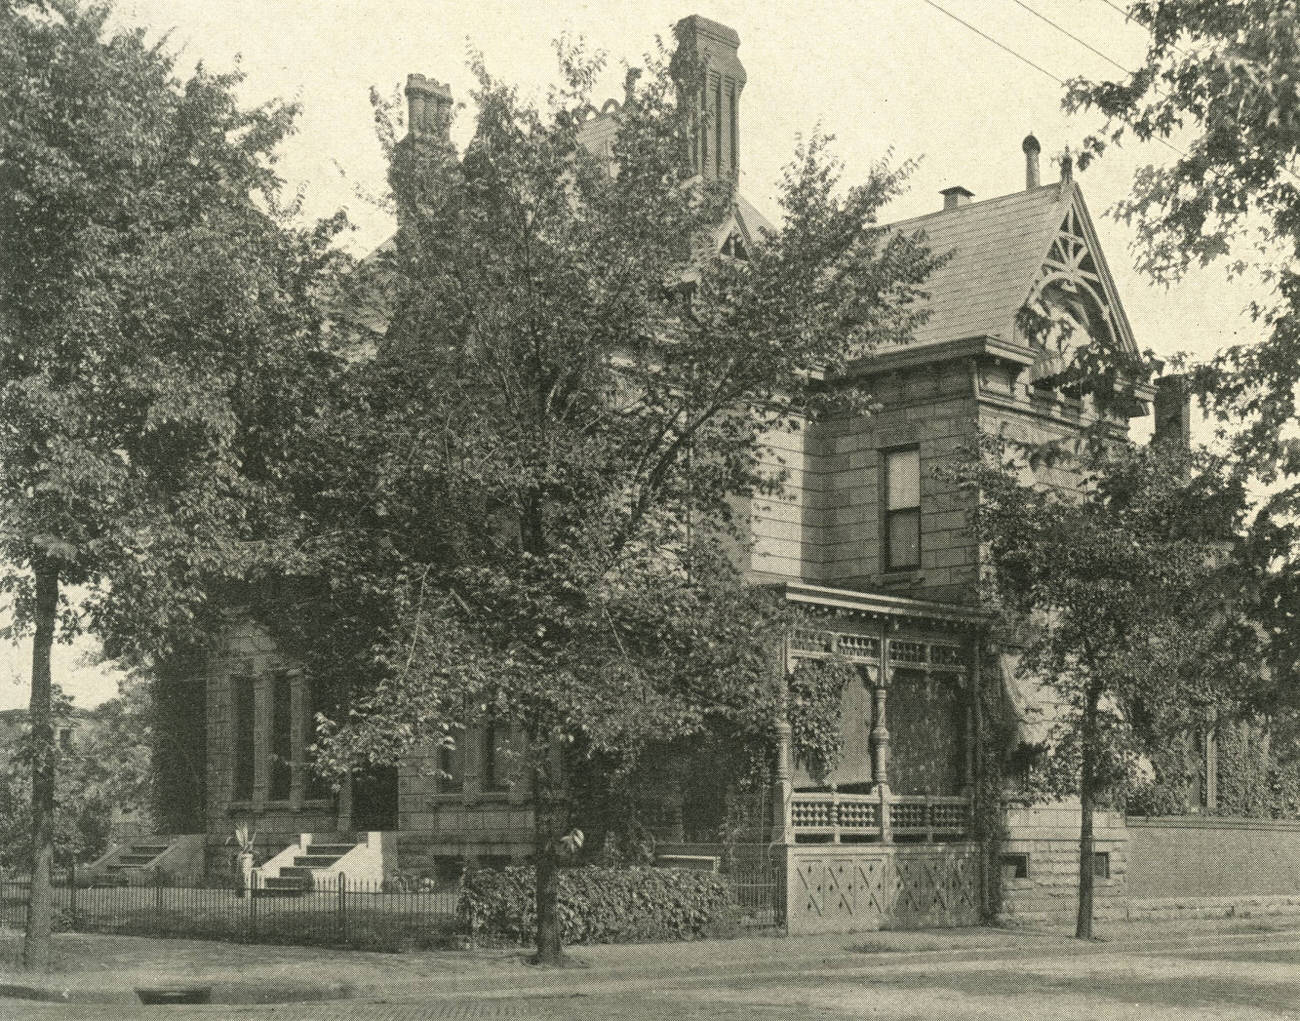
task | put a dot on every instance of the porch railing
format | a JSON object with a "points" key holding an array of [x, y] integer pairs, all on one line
{"points": [[816, 815]]}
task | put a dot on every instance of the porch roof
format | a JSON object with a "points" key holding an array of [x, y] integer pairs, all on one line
{"points": [[881, 604]]}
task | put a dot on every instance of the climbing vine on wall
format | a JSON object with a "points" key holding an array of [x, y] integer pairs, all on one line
{"points": [[814, 695], [996, 725], [1256, 775]]}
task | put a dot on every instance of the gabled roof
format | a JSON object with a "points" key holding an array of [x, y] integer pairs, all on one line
{"points": [[999, 247]]}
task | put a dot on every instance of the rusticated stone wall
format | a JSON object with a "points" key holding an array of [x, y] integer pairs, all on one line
{"points": [[1048, 838]]}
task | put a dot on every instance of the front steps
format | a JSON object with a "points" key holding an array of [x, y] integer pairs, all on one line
{"points": [[306, 866], [144, 858]]}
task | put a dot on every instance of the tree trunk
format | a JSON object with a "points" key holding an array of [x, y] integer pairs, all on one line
{"points": [[547, 827], [1087, 775], [40, 898]]}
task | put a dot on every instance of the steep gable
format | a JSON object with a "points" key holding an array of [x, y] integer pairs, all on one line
{"points": [[1020, 248]]}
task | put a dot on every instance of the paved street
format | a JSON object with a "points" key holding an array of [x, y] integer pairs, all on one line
{"points": [[1236, 975]]}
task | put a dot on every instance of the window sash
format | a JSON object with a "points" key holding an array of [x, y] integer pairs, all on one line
{"points": [[903, 539], [903, 479]]}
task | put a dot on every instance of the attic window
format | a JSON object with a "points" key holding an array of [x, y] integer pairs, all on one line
{"points": [[734, 247]]}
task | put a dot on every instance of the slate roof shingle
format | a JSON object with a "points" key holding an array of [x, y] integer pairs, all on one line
{"points": [[998, 246]]}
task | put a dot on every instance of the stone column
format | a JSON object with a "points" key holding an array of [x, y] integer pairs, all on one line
{"points": [[972, 708], [261, 740], [297, 739], [472, 764]]}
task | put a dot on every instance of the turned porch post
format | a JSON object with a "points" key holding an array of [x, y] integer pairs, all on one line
{"points": [[782, 785], [880, 751], [782, 789]]}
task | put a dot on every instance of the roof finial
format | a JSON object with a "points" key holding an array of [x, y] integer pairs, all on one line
{"points": [[1067, 166]]}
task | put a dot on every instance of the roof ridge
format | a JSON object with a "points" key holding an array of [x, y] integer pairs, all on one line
{"points": [[984, 203]]}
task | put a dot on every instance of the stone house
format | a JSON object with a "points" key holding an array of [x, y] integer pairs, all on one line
{"points": [[865, 535]]}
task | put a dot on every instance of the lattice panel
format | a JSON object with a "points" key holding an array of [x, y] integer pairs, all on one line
{"points": [[869, 889]]}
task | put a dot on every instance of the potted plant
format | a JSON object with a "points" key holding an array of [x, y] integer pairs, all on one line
{"points": [[244, 838]]}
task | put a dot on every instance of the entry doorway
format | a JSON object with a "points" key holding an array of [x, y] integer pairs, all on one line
{"points": [[374, 799]]}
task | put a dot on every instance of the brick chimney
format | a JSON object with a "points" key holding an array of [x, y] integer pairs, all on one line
{"points": [[428, 107], [1173, 411], [719, 80], [1031, 149], [956, 196]]}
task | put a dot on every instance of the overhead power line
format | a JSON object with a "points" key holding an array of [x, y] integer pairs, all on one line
{"points": [[999, 45], [1038, 67], [1065, 32]]}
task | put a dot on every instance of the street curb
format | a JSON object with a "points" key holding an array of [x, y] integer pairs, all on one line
{"points": [[532, 982], [223, 993]]}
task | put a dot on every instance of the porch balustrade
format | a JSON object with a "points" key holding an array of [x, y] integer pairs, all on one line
{"points": [[821, 814]]}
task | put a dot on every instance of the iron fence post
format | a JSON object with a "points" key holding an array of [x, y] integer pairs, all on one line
{"points": [[72, 894], [252, 906], [343, 908]]}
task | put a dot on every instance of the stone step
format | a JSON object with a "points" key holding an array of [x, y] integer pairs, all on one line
{"points": [[150, 849], [122, 867], [136, 859], [302, 872], [283, 882], [280, 891], [315, 861], [324, 850]]}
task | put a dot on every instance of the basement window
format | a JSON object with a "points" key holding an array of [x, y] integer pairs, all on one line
{"points": [[1101, 865], [1015, 866]]}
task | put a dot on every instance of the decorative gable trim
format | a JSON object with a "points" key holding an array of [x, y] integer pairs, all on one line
{"points": [[1074, 273]]}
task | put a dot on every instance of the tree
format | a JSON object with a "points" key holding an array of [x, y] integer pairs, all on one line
{"points": [[159, 339], [1219, 82], [535, 487], [104, 765], [1127, 595]]}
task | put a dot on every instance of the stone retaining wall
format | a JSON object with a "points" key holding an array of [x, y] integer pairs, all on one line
{"points": [[1205, 856], [1048, 839]]}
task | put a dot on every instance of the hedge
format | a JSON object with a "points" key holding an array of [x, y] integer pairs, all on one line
{"points": [[598, 904]]}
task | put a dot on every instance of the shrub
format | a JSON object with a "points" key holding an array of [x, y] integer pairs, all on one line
{"points": [[597, 904]]}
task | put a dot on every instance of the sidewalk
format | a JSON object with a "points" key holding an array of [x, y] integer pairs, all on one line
{"points": [[108, 969]]}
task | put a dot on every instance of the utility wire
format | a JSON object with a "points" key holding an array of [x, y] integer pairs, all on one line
{"points": [[1065, 32], [1038, 67], [999, 45]]}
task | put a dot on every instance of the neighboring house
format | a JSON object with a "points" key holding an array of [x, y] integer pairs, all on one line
{"points": [[83, 732], [866, 536]]}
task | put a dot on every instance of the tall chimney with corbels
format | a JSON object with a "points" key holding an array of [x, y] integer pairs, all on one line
{"points": [[1173, 411], [1031, 149], [428, 107], [716, 93]]}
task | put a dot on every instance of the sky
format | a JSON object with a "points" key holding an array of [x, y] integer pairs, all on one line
{"points": [[883, 76]]}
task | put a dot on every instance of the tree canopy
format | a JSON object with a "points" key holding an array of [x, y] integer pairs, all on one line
{"points": [[1125, 598], [161, 337], [1218, 84], [537, 487]]}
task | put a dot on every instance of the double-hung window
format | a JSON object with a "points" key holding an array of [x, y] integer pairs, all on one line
{"points": [[902, 509]]}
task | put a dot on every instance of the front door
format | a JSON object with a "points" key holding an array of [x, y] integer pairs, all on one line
{"points": [[374, 799]]}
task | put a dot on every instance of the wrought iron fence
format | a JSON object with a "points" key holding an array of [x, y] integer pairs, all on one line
{"points": [[337, 912], [756, 875]]}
